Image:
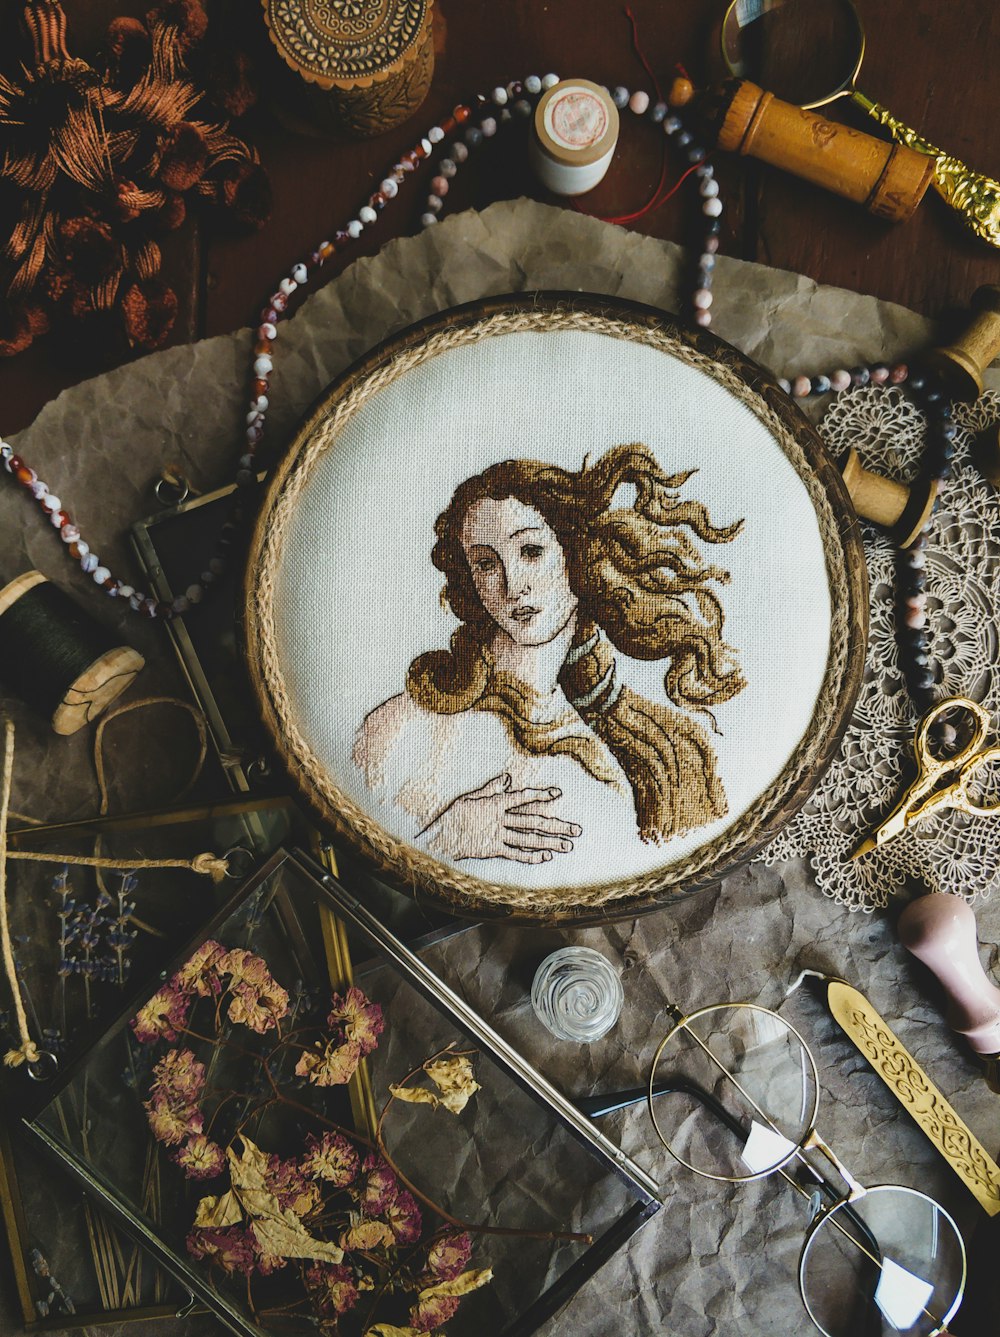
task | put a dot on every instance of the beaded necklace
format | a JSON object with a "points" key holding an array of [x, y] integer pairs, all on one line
{"points": [[472, 124]]}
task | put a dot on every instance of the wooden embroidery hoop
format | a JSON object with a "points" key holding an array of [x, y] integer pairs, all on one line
{"points": [[451, 887]]}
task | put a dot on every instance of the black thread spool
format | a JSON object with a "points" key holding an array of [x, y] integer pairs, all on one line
{"points": [[55, 658]]}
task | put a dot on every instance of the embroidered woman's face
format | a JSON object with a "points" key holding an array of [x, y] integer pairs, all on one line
{"points": [[519, 569]]}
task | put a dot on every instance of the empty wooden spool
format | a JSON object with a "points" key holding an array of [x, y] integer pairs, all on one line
{"points": [[901, 509], [961, 364]]}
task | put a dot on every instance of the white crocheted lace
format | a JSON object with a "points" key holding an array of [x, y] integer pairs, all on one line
{"points": [[951, 851]]}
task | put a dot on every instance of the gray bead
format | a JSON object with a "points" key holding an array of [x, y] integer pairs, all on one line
{"points": [[657, 113], [620, 97]]}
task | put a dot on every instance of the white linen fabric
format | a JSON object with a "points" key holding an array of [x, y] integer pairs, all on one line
{"points": [[358, 598]]}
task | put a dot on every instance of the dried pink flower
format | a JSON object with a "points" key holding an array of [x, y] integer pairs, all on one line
{"points": [[178, 1077], [380, 1186], [243, 967], [233, 1248], [199, 975], [403, 1216], [162, 1017], [259, 1007], [200, 1158], [367, 1235], [448, 1256], [361, 1020], [330, 1064], [332, 1286], [288, 1183], [172, 1123], [432, 1312], [331, 1157]]}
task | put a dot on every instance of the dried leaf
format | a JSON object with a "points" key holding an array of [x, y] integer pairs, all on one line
{"points": [[460, 1285], [415, 1095], [368, 1235], [218, 1213], [277, 1229], [390, 1330], [455, 1080]]}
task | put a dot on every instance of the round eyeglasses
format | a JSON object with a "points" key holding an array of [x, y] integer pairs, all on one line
{"points": [[733, 1094]]}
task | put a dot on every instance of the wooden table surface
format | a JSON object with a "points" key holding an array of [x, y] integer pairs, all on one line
{"points": [[932, 64]]}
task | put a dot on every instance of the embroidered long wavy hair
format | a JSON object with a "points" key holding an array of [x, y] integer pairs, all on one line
{"points": [[643, 588]]}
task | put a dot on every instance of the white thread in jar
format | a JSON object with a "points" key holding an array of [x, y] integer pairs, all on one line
{"points": [[577, 994], [575, 130]]}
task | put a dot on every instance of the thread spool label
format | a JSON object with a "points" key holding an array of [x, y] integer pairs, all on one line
{"points": [[576, 119]]}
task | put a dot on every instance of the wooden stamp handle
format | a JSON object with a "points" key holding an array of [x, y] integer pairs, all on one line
{"points": [[940, 930], [890, 180]]}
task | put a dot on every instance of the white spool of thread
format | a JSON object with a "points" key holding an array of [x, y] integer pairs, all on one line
{"points": [[575, 131], [577, 994]]}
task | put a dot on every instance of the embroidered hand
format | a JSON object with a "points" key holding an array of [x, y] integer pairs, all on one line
{"points": [[497, 822]]}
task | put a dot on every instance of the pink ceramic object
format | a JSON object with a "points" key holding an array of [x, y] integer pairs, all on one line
{"points": [[941, 931]]}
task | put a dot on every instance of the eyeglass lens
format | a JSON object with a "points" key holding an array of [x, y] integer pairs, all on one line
{"points": [[896, 1264], [734, 1091]]}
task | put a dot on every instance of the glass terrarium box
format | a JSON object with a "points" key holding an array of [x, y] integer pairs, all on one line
{"points": [[459, 1193]]}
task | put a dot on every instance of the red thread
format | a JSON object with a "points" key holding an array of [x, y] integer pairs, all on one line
{"points": [[641, 54]]}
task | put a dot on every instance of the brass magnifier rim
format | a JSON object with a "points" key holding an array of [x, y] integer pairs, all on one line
{"points": [[683, 1023], [730, 24]]}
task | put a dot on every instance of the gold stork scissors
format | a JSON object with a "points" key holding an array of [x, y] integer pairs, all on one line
{"points": [[929, 792]]}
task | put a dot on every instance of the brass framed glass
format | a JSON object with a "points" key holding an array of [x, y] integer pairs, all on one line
{"points": [[271, 1098], [733, 1094]]}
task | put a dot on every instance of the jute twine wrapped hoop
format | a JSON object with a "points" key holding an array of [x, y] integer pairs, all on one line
{"points": [[845, 569]]}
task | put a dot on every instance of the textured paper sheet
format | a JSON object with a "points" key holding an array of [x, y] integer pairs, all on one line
{"points": [[717, 1260]]}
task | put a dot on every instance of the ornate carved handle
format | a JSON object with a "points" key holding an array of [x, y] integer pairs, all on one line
{"points": [[975, 196]]}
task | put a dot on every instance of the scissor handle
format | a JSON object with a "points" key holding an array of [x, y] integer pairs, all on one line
{"points": [[961, 798], [932, 766]]}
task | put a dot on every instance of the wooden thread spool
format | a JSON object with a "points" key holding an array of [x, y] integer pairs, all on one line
{"points": [[986, 454], [902, 510], [574, 133], [961, 364], [890, 180], [53, 656]]}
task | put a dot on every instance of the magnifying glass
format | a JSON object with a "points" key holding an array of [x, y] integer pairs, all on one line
{"points": [[809, 52]]}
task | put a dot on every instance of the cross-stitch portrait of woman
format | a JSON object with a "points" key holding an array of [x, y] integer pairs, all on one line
{"points": [[523, 740]]}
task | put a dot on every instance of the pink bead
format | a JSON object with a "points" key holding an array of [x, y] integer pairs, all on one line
{"points": [[879, 375], [703, 316], [702, 299], [916, 618], [268, 330], [916, 603], [639, 102], [801, 386], [899, 373], [440, 186], [840, 379], [711, 245]]}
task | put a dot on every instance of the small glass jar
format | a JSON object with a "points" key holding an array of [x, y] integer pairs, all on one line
{"points": [[577, 994]]}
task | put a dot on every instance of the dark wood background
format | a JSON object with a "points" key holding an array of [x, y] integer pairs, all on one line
{"points": [[932, 64]]}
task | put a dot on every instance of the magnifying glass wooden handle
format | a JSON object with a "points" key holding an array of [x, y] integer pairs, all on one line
{"points": [[888, 179]]}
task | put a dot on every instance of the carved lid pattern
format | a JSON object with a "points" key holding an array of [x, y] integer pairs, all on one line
{"points": [[344, 40]]}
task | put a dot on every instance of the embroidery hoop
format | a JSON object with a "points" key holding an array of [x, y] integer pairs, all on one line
{"points": [[610, 894]]}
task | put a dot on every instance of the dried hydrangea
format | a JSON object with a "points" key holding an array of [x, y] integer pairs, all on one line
{"points": [[333, 1287], [233, 1248], [200, 1158], [361, 1021], [162, 1017], [289, 1184], [178, 1077], [199, 975], [403, 1218], [380, 1186], [331, 1064], [332, 1158], [449, 1255]]}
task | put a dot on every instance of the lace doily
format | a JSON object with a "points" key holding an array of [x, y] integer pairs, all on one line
{"points": [[949, 852]]}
